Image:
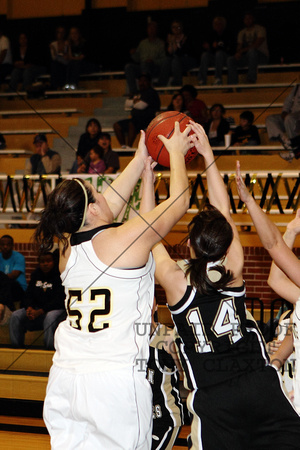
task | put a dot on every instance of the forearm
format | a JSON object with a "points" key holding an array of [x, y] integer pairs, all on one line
{"points": [[118, 193], [217, 192], [179, 186], [284, 351], [266, 229]]}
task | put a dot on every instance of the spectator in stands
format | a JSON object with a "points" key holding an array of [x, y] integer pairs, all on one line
{"points": [[79, 62], [12, 277], [90, 138], [111, 158], [44, 160], [44, 305], [285, 127], [5, 56], [180, 56], [148, 58], [60, 51], [97, 164], [177, 103], [145, 105], [195, 108], [216, 50], [246, 133], [252, 49], [26, 64], [2, 142], [217, 126]]}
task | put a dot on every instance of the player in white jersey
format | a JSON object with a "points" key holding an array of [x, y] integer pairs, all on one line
{"points": [[97, 395], [287, 289], [236, 399]]}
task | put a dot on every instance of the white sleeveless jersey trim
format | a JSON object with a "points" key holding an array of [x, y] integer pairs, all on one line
{"points": [[192, 295]]}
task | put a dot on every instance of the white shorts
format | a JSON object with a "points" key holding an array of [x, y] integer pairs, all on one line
{"points": [[99, 410]]}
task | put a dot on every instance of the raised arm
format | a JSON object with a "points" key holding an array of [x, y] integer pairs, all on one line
{"points": [[119, 191], [219, 198], [218, 195], [268, 233], [138, 235], [277, 280]]}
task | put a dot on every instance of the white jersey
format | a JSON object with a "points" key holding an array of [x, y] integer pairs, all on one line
{"points": [[296, 335], [109, 311]]}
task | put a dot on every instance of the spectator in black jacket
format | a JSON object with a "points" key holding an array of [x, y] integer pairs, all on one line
{"points": [[246, 133], [44, 305], [26, 64], [217, 126]]}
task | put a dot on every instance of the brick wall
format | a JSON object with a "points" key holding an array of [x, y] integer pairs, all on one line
{"points": [[256, 269], [31, 257]]}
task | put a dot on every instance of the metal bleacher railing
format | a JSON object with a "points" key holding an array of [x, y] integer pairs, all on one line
{"points": [[276, 192]]}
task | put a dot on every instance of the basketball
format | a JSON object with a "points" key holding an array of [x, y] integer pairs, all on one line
{"points": [[164, 124]]}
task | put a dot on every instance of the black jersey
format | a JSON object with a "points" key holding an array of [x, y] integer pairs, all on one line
{"points": [[163, 377], [216, 340]]}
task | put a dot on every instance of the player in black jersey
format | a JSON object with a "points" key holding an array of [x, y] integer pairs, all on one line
{"points": [[236, 399], [163, 374]]}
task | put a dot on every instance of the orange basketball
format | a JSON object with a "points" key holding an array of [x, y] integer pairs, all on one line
{"points": [[164, 124]]}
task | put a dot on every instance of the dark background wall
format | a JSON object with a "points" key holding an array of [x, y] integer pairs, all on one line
{"points": [[112, 32]]}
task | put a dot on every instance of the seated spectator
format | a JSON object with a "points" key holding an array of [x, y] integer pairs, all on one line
{"points": [[80, 165], [97, 164], [246, 133], [180, 56], [111, 158], [44, 160], [26, 64], [2, 142], [43, 307], [195, 108], [145, 105], [285, 127], [12, 277], [90, 138], [217, 126], [177, 103], [79, 62], [147, 58], [252, 49], [5, 56], [216, 50], [60, 52]]}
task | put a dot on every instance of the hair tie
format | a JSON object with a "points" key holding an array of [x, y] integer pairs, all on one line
{"points": [[214, 275], [85, 202]]}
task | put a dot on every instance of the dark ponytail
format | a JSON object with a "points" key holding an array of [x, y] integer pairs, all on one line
{"points": [[210, 237], [63, 214]]}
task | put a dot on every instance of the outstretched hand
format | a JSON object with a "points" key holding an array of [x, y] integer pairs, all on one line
{"points": [[200, 139], [243, 192], [179, 142]]}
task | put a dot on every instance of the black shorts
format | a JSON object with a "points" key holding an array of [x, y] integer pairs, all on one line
{"points": [[246, 413]]}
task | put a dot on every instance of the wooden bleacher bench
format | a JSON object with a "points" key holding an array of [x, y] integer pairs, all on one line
{"points": [[227, 87], [15, 151], [28, 112], [60, 93], [28, 131]]}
